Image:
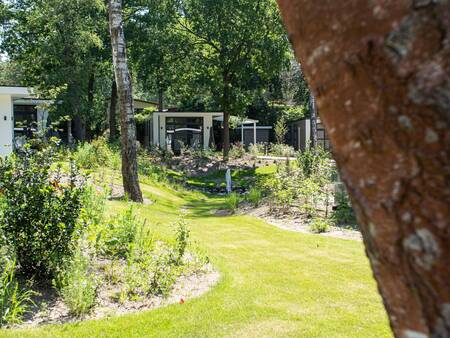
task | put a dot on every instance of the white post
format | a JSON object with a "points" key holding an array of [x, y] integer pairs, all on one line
{"points": [[242, 133], [254, 133]]}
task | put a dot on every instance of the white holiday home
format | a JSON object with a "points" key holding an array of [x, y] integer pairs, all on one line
{"points": [[18, 108]]}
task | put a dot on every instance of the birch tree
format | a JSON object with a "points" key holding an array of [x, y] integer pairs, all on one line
{"points": [[380, 70], [125, 94]]}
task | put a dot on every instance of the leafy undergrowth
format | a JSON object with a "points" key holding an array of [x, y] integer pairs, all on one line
{"points": [[274, 282]]}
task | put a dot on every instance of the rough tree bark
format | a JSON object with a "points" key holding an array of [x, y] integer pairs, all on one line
{"points": [[124, 89], [380, 70], [112, 113], [312, 102]]}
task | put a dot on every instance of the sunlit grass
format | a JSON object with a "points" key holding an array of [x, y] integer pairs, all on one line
{"points": [[274, 283]]}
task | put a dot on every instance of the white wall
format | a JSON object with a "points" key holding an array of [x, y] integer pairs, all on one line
{"points": [[6, 125]]}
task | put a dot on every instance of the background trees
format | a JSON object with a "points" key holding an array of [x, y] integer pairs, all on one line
{"points": [[237, 44], [60, 47]]}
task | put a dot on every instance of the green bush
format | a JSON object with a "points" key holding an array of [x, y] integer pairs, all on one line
{"points": [[254, 196], [78, 285], [14, 302], [232, 201], [40, 212], [319, 225], [256, 149], [343, 213], [284, 150], [237, 150], [182, 238], [93, 155], [282, 187], [118, 235]]}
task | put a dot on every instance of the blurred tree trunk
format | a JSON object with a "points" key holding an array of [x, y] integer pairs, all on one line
{"points": [[113, 112], [226, 116], [124, 89], [90, 104], [381, 74], [312, 102]]}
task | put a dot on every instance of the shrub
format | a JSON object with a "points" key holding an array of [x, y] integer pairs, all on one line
{"points": [[237, 150], [40, 210], [232, 201], [282, 187], [284, 150], [118, 235], [319, 225], [316, 164], [254, 196], [94, 154], [14, 302], [280, 130], [148, 168], [343, 213], [182, 238], [256, 149], [78, 285]]}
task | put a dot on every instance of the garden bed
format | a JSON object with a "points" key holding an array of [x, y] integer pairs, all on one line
{"points": [[50, 308], [298, 223]]}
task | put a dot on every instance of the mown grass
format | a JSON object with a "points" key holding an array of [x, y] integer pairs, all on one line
{"points": [[273, 283], [240, 177]]}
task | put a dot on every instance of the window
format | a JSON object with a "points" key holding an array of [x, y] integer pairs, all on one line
{"points": [[25, 116]]}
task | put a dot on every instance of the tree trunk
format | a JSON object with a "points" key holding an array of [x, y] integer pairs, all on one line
{"points": [[312, 101], [112, 113], [124, 89], [90, 106], [161, 99], [226, 117], [79, 127], [380, 70]]}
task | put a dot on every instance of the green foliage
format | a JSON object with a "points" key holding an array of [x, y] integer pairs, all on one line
{"points": [[254, 196], [319, 225], [232, 201], [256, 149], [78, 284], [14, 302], [316, 163], [343, 213], [284, 150], [41, 207], [280, 130], [91, 155], [237, 150], [150, 169], [282, 187], [119, 233], [182, 238], [61, 48]]}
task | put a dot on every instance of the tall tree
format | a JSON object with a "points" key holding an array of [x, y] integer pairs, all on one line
{"points": [[237, 42], [58, 45], [125, 93], [381, 74], [157, 50]]}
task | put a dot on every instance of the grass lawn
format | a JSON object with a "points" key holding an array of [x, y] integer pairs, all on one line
{"points": [[274, 283], [241, 178]]}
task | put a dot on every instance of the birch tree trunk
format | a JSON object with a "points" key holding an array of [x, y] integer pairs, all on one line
{"points": [[312, 101], [124, 89], [112, 113], [380, 70]]}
